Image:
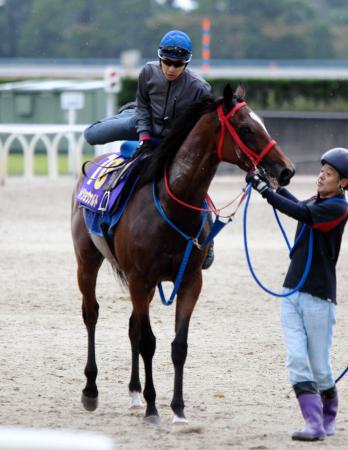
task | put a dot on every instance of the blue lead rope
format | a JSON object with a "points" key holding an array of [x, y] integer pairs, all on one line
{"points": [[303, 229], [291, 249], [216, 228], [342, 375]]}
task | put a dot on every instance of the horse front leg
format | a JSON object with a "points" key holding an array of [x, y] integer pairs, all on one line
{"points": [[186, 300], [143, 342], [147, 347]]}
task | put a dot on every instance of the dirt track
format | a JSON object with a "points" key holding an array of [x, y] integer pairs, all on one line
{"points": [[236, 389]]}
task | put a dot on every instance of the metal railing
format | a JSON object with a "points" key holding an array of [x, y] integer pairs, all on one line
{"points": [[30, 136]]}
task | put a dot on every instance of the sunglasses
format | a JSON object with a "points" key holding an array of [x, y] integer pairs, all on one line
{"points": [[170, 63]]}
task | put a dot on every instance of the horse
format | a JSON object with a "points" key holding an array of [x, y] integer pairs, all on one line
{"points": [[146, 250]]}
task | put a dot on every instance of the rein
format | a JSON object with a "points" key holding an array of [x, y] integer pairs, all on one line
{"points": [[211, 207]]}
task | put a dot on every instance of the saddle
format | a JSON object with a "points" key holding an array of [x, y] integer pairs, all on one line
{"points": [[108, 182], [106, 190]]}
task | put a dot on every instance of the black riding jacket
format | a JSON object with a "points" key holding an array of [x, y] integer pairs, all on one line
{"points": [[327, 218], [160, 101]]}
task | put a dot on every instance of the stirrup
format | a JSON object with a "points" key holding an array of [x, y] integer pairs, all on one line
{"points": [[104, 202]]}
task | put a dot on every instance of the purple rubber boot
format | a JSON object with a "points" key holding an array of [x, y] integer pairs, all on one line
{"points": [[312, 411], [330, 407]]}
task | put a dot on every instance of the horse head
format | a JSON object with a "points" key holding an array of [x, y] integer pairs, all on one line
{"points": [[245, 141]]}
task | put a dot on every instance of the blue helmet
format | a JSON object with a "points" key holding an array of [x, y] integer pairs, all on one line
{"points": [[175, 44], [337, 158]]}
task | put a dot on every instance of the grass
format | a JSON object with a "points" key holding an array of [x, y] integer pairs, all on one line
{"points": [[15, 164]]}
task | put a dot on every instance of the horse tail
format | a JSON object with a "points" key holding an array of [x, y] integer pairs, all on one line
{"points": [[121, 275]]}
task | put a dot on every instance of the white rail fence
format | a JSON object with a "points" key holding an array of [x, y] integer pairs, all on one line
{"points": [[30, 136], [17, 438]]}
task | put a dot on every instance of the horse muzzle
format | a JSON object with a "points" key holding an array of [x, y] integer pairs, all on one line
{"points": [[285, 176], [282, 174]]}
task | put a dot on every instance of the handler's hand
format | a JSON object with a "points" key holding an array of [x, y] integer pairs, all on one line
{"points": [[260, 185]]}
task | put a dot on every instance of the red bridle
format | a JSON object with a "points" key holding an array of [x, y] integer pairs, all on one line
{"points": [[254, 157]]}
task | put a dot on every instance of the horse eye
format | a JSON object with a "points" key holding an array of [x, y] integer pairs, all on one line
{"points": [[244, 130]]}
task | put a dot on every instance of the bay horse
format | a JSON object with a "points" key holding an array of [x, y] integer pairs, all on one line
{"points": [[146, 250]]}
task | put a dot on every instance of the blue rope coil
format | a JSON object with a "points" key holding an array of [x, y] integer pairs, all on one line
{"points": [[291, 249]]}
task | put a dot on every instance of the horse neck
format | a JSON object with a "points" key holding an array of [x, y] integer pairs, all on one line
{"points": [[196, 162]]}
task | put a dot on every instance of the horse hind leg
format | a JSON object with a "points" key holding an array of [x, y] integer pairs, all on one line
{"points": [[87, 278], [134, 384]]}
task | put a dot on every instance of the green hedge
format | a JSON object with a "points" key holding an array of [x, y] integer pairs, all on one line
{"points": [[269, 94], [272, 94]]}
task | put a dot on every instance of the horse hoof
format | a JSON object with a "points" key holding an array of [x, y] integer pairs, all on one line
{"points": [[89, 403], [136, 402], [179, 420], [152, 420]]}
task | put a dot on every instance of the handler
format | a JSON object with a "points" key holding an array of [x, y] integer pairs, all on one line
{"points": [[308, 316], [166, 88]]}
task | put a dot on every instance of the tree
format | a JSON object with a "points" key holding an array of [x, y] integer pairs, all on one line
{"points": [[12, 15], [106, 28]]}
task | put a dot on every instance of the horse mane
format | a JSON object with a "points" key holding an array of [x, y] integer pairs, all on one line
{"points": [[169, 146]]}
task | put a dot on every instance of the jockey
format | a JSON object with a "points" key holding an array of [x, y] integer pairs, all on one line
{"points": [[308, 316], [165, 89]]}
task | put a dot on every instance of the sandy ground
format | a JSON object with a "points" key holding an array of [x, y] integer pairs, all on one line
{"points": [[236, 388]]}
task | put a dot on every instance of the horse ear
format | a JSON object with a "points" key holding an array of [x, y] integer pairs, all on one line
{"points": [[228, 95], [240, 91]]}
